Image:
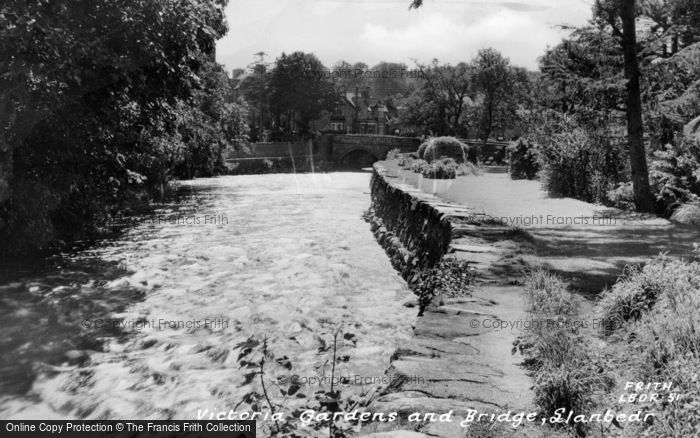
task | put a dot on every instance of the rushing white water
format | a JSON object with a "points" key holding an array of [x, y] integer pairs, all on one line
{"points": [[287, 257]]}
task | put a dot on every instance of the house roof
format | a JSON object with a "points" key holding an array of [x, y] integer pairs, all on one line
{"points": [[370, 103]]}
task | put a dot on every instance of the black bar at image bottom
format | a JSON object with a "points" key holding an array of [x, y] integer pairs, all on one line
{"points": [[128, 428]]}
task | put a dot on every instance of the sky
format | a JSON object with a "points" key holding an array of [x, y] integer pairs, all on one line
{"points": [[371, 31]]}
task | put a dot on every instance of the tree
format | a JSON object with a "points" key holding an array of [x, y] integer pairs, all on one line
{"points": [[89, 94], [390, 78], [621, 16], [255, 89], [444, 94], [203, 125], [235, 125], [583, 75], [500, 86], [350, 77], [419, 116], [300, 90], [674, 20]]}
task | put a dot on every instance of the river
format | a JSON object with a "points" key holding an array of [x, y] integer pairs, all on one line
{"points": [[144, 325]]}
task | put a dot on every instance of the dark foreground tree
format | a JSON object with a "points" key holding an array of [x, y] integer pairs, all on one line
{"points": [[621, 16], [89, 93]]}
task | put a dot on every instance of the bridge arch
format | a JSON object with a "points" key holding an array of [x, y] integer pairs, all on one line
{"points": [[357, 158]]}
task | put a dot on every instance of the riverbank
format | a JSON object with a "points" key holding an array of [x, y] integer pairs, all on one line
{"points": [[460, 348], [552, 236]]}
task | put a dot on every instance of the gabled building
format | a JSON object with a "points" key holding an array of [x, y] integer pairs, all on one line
{"points": [[355, 114]]}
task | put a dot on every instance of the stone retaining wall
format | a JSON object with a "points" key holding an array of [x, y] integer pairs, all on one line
{"points": [[455, 361], [413, 232]]}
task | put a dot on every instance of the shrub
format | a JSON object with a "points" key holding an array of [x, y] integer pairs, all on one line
{"points": [[638, 290], [579, 161], [448, 147], [393, 154], [450, 277], [405, 161], [421, 149], [203, 144], [682, 417], [580, 166], [660, 339], [547, 294], [522, 160], [569, 386], [419, 165], [445, 168], [674, 174], [672, 330], [564, 372], [622, 196], [687, 214]]}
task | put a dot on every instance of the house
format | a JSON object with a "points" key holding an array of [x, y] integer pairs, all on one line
{"points": [[355, 113]]}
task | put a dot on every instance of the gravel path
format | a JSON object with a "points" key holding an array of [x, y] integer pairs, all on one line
{"points": [[586, 243]]}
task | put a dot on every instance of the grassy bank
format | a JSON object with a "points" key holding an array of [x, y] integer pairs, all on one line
{"points": [[652, 331], [645, 329], [568, 376]]}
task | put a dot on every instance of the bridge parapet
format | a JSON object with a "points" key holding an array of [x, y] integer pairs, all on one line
{"points": [[358, 150], [375, 145]]}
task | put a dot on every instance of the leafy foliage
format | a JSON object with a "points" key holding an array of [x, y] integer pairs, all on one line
{"points": [[467, 99], [450, 277], [687, 214], [639, 289], [653, 316], [446, 147], [565, 372], [92, 94], [255, 90], [440, 105], [675, 175], [272, 387], [522, 160], [622, 196], [406, 160], [547, 295], [422, 148], [577, 162], [298, 86], [208, 126], [419, 166], [444, 168], [502, 87]]}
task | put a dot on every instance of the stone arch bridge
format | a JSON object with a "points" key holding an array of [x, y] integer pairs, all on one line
{"points": [[363, 150], [331, 151]]}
